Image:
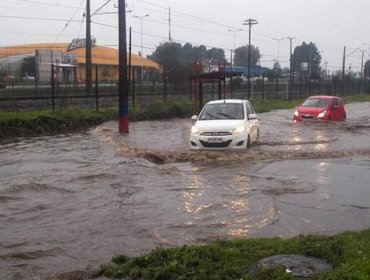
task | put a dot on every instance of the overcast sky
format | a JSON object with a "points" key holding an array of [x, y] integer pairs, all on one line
{"points": [[330, 24]]}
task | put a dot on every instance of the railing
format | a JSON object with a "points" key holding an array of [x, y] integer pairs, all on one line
{"points": [[32, 95]]}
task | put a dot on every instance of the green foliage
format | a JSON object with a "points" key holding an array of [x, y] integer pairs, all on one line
{"points": [[38, 123], [367, 69], [349, 253], [269, 105], [307, 53], [241, 56], [178, 60]]}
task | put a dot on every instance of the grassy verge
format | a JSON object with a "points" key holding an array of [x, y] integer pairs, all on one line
{"points": [[69, 120], [21, 124], [348, 253]]}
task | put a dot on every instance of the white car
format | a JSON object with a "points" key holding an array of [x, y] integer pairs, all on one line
{"points": [[225, 124]]}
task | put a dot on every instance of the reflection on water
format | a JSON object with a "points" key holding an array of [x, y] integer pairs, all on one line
{"points": [[72, 202]]}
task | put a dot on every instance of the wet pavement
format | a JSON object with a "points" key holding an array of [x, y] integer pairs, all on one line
{"points": [[71, 202]]}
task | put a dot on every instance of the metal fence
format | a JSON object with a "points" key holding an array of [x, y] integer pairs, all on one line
{"points": [[25, 96]]}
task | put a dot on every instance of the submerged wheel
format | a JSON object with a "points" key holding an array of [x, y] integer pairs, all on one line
{"points": [[248, 142]]}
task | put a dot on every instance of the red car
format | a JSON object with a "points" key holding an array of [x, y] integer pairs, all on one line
{"points": [[321, 108]]}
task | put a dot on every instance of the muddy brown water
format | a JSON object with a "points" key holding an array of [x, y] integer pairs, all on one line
{"points": [[71, 202]]}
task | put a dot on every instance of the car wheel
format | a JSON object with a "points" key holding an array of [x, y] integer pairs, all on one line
{"points": [[248, 142], [344, 116]]}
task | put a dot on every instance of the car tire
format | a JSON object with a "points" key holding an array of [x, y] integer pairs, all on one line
{"points": [[248, 142]]}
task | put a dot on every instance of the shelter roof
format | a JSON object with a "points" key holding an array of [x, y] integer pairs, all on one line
{"points": [[100, 55]]}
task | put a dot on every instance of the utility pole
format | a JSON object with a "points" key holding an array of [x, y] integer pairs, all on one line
{"points": [[291, 69], [169, 25], [361, 70], [343, 66], [309, 66], [123, 85], [88, 73], [249, 22], [362, 64]]}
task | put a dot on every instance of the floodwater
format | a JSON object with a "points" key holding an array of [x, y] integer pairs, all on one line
{"points": [[71, 202]]}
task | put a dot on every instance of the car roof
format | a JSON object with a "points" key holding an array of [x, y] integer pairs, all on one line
{"points": [[324, 96], [226, 101]]}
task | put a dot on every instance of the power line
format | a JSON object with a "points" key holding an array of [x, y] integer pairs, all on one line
{"points": [[37, 18], [48, 4], [66, 25]]}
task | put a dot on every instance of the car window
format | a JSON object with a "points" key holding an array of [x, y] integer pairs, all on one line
{"points": [[334, 103], [223, 111], [315, 102], [250, 109]]}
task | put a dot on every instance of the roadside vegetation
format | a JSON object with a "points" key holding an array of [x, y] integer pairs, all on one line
{"points": [[348, 253], [38, 123]]}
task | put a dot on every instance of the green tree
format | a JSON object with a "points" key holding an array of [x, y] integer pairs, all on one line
{"points": [[304, 55], [215, 55], [241, 56], [367, 69], [178, 60]]}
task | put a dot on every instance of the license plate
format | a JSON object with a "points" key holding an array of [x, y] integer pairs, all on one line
{"points": [[215, 139]]}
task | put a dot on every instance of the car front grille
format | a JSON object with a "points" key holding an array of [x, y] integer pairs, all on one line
{"points": [[215, 145], [216, 133], [305, 116]]}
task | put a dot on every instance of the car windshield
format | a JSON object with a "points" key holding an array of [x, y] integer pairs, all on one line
{"points": [[223, 111], [315, 102]]}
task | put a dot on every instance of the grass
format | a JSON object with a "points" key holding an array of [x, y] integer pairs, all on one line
{"points": [[348, 253], [21, 124]]}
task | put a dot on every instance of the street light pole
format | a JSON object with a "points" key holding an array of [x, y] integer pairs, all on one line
{"points": [[291, 75], [249, 22], [141, 43], [233, 51], [278, 49]]}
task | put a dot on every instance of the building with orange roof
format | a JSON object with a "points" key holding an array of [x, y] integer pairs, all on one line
{"points": [[104, 59]]}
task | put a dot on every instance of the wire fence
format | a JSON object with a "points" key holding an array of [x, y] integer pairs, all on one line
{"points": [[32, 95]]}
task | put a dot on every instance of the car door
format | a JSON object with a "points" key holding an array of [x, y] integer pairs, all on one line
{"points": [[341, 109], [335, 110]]}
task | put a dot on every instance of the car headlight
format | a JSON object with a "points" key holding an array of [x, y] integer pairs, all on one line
{"points": [[296, 113], [239, 129], [195, 130], [321, 115]]}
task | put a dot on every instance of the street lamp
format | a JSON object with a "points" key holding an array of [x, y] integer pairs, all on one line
{"points": [[278, 49], [141, 35], [233, 51]]}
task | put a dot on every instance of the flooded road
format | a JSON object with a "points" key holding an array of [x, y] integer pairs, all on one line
{"points": [[71, 202]]}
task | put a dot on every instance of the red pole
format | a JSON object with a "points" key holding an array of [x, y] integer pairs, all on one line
{"points": [[123, 84]]}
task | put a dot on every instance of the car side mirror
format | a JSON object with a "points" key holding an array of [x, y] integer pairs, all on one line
{"points": [[252, 117], [194, 117]]}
